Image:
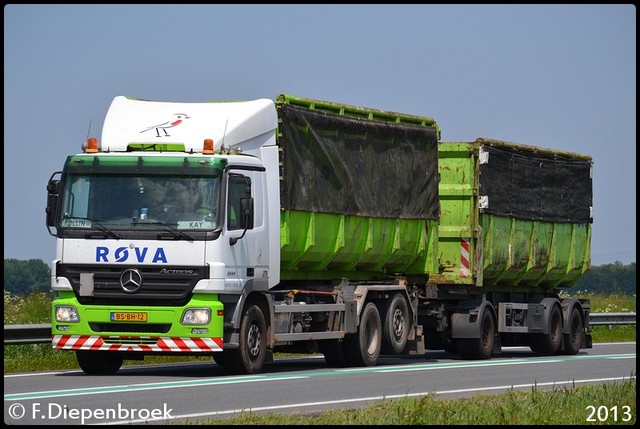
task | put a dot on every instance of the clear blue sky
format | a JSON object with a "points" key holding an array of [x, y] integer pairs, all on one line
{"points": [[558, 76]]}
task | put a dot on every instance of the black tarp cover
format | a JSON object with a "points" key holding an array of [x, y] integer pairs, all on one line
{"points": [[338, 164], [536, 185]]}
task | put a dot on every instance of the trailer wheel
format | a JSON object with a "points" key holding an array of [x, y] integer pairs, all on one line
{"points": [[549, 344], [482, 347], [573, 340], [99, 362], [395, 329], [363, 348], [249, 357]]}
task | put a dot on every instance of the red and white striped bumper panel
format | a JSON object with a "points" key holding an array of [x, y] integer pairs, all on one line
{"points": [[162, 344]]}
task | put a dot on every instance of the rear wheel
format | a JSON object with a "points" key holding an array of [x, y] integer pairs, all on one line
{"points": [[482, 347], [573, 340], [99, 362], [363, 348], [395, 328], [549, 344]]}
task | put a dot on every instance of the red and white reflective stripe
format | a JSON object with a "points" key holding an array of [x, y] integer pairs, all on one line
{"points": [[464, 257], [163, 344], [189, 344]]}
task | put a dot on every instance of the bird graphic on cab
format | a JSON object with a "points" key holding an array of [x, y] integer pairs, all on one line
{"points": [[173, 122]]}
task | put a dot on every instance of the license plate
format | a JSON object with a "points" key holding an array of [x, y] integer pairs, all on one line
{"points": [[128, 317]]}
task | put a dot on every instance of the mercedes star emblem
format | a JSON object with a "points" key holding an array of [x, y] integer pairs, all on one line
{"points": [[131, 280]]}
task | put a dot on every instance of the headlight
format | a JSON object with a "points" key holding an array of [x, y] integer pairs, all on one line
{"points": [[196, 316], [66, 314]]}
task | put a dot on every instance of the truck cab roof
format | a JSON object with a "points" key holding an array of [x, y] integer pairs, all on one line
{"points": [[135, 123]]}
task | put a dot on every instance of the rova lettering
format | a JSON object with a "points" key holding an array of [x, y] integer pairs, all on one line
{"points": [[122, 254]]}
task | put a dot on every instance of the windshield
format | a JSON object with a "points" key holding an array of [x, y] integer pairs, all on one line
{"points": [[135, 201]]}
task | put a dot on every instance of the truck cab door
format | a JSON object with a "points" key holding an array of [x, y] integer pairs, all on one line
{"points": [[242, 234]]}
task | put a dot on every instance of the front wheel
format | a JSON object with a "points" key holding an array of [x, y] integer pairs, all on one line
{"points": [[249, 357]]}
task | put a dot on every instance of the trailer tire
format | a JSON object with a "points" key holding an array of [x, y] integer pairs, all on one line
{"points": [[549, 344], [395, 329], [249, 357], [99, 362], [573, 340], [363, 348], [482, 347]]}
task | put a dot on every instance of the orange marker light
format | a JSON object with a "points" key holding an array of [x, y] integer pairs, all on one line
{"points": [[92, 145], [208, 146]]}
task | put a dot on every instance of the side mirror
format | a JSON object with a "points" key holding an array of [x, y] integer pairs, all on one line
{"points": [[51, 210], [246, 218]]}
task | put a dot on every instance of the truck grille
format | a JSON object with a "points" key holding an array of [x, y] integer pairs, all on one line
{"points": [[160, 286]]}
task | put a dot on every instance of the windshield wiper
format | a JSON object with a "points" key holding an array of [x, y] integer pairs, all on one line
{"points": [[108, 231], [175, 232], [98, 225]]}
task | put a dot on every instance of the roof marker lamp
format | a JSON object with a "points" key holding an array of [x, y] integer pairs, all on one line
{"points": [[208, 146], [92, 145]]}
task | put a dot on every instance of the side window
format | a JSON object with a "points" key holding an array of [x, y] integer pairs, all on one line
{"points": [[237, 190]]}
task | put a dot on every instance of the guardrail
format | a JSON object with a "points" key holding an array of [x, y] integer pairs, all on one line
{"points": [[27, 334], [41, 333], [596, 319]]}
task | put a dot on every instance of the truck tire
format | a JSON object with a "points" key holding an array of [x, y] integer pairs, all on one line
{"points": [[549, 344], [334, 355], [395, 328], [363, 348], [482, 347], [573, 340], [99, 362], [249, 357]]}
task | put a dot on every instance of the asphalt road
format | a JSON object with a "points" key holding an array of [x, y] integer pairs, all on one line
{"points": [[200, 391]]}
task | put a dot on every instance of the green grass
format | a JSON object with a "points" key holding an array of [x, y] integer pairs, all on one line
{"points": [[610, 304], [27, 309]]}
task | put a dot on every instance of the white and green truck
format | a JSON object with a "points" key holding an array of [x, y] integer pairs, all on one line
{"points": [[238, 229]]}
